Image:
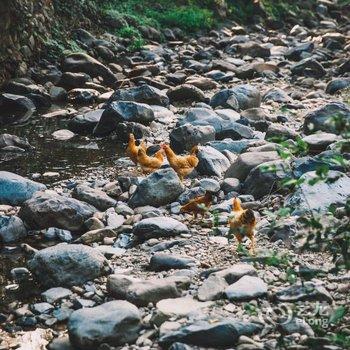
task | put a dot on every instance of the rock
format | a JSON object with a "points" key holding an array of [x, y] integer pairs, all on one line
{"points": [[94, 196], [118, 285], [74, 80], [210, 185], [258, 118], [185, 92], [53, 233], [163, 262], [159, 227], [42, 308], [114, 323], [234, 146], [277, 95], [83, 96], [15, 189], [230, 184], [246, 288], [247, 96], [279, 131], [53, 295], [160, 188], [247, 161], [296, 53], [184, 137], [143, 94], [308, 67], [296, 325], [63, 135], [8, 140], [212, 288], [337, 84], [123, 111], [96, 235], [83, 63], [15, 109], [308, 291], [211, 162], [254, 49], [141, 292], [259, 182], [85, 123], [58, 94], [12, 229], [225, 98], [202, 83], [151, 291], [45, 210], [237, 271], [177, 308], [225, 125], [320, 119], [221, 334], [320, 196], [66, 265], [320, 141]]}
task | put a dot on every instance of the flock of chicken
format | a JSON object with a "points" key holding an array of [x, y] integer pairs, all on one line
{"points": [[242, 221], [183, 165]]}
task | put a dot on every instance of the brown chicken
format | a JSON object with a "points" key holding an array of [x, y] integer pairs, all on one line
{"points": [[242, 223], [183, 165], [199, 205], [132, 149], [150, 164]]}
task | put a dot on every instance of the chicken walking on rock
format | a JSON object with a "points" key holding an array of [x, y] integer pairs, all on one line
{"points": [[242, 223], [183, 165]]}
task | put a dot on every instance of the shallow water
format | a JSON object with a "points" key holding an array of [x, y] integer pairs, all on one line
{"points": [[68, 158]]}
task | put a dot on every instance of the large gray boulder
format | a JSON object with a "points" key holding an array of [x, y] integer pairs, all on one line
{"points": [[225, 124], [184, 137], [246, 288], [160, 188], [46, 210], [320, 119], [115, 323], [211, 162], [15, 189], [240, 97], [159, 227], [319, 197], [221, 334], [83, 63], [66, 265], [260, 182], [13, 141], [247, 161], [11, 229], [15, 109], [123, 111], [94, 196], [85, 123], [143, 94]]}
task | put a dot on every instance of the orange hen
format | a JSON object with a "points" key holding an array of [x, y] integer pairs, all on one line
{"points": [[183, 165], [242, 223], [199, 205], [150, 164], [132, 149]]}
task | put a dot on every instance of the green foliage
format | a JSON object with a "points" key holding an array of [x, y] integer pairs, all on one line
{"points": [[132, 33], [189, 18]]}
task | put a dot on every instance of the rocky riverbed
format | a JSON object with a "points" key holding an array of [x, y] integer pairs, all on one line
{"points": [[96, 255]]}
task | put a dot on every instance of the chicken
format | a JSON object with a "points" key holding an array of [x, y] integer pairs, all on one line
{"points": [[132, 149], [199, 205], [242, 223], [150, 164], [183, 165]]}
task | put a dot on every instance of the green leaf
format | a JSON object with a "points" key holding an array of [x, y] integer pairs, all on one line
{"points": [[337, 315]]}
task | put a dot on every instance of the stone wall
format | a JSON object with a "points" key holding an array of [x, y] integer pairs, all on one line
{"points": [[24, 25]]}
